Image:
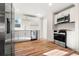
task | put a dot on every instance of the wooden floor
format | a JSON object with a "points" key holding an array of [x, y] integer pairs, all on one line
{"points": [[37, 48]]}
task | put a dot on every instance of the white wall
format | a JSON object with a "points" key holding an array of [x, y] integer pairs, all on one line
{"points": [[68, 26], [50, 24], [45, 28]]}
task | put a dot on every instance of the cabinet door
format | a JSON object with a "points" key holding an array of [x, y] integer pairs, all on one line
{"points": [[66, 12], [55, 19], [72, 14], [70, 39]]}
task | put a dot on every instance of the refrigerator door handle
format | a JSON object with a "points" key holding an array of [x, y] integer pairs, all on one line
{"points": [[8, 25]]}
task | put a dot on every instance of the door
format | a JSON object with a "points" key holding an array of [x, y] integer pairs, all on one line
{"points": [[9, 30], [2, 28], [34, 34], [5, 29]]}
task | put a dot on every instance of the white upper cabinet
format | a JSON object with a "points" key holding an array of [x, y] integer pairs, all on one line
{"points": [[70, 11], [59, 15], [55, 19], [66, 12], [72, 14]]}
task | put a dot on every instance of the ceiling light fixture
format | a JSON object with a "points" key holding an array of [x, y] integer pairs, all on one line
{"points": [[50, 4]]}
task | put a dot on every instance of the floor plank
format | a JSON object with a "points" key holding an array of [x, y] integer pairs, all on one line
{"points": [[37, 48]]}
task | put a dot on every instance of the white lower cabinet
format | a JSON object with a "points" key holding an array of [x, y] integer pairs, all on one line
{"points": [[71, 39]]}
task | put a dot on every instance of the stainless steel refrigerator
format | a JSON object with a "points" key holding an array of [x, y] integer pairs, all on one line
{"points": [[6, 29]]}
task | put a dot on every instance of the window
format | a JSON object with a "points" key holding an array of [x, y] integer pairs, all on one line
{"points": [[17, 22]]}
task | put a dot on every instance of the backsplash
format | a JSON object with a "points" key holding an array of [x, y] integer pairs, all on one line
{"points": [[67, 26]]}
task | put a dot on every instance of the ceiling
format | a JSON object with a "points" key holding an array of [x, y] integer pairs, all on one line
{"points": [[59, 6], [39, 8]]}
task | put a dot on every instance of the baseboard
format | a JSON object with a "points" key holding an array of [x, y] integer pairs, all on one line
{"points": [[46, 39], [74, 50], [21, 41]]}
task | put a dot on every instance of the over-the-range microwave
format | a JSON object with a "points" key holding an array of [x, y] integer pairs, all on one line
{"points": [[64, 19]]}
